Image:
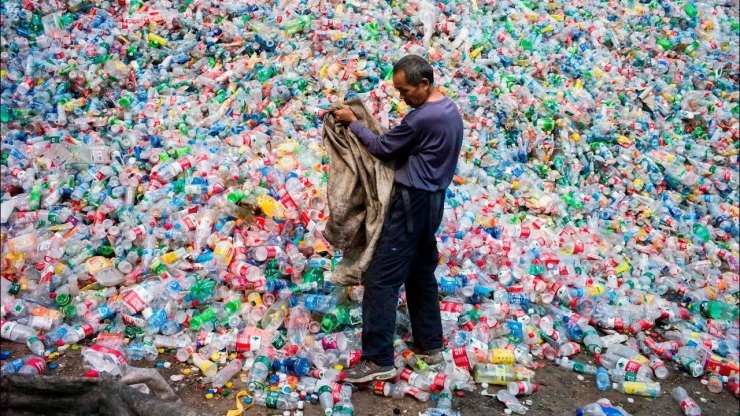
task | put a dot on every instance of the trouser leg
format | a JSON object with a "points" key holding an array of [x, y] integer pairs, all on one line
{"points": [[385, 275]]}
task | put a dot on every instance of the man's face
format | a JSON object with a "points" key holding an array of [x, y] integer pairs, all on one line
{"points": [[413, 95]]}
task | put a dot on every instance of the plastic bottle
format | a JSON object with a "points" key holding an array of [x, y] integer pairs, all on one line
{"points": [[511, 402], [226, 373], [260, 370], [326, 399], [16, 332], [33, 365], [343, 408], [500, 374], [688, 405], [35, 345], [519, 388], [275, 315], [716, 310], [637, 370], [274, 399], [576, 366], [206, 366], [299, 366], [79, 332], [297, 325], [602, 407], [689, 359], [638, 388], [603, 382], [659, 368]]}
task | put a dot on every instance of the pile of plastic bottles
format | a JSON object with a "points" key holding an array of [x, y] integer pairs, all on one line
{"points": [[164, 186]]}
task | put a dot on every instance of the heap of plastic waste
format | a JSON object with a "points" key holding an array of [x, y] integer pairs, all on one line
{"points": [[163, 185]]}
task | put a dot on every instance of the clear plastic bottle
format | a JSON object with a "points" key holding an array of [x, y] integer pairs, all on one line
{"points": [[520, 388], [511, 402], [326, 398], [688, 405], [659, 368], [16, 332], [638, 388], [33, 365], [226, 373], [206, 366], [603, 382], [612, 361], [576, 366], [602, 407], [260, 370], [344, 408], [275, 399]]}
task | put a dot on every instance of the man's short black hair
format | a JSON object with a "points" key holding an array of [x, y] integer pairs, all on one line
{"points": [[415, 68]]}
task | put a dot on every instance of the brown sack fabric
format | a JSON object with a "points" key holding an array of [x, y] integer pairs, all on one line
{"points": [[358, 192]]}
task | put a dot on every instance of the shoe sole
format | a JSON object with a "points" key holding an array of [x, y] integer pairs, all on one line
{"points": [[385, 375]]}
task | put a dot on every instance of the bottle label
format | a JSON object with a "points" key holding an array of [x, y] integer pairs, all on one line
{"points": [[116, 355], [579, 367], [687, 404], [37, 363], [450, 310], [225, 250], [379, 388], [656, 363], [415, 392], [502, 356], [83, 331], [272, 399], [134, 300], [628, 366], [618, 324], [329, 342], [354, 357], [406, 375], [40, 322], [242, 342], [439, 380], [336, 392], [7, 328], [634, 387], [189, 222], [460, 358]]}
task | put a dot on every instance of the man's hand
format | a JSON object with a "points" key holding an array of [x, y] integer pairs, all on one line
{"points": [[345, 115]]}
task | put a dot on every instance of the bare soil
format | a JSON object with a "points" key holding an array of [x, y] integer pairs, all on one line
{"points": [[560, 393]]}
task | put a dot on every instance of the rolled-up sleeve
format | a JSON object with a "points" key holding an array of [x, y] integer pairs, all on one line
{"points": [[386, 145]]}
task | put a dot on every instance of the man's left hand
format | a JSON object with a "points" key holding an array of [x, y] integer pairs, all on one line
{"points": [[345, 115]]}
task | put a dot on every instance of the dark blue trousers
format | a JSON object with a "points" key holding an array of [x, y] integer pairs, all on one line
{"points": [[406, 254]]}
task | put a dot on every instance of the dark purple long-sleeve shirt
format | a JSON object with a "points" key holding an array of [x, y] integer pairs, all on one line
{"points": [[426, 144]]}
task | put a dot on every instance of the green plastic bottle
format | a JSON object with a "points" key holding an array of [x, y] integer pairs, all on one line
{"points": [[715, 310]]}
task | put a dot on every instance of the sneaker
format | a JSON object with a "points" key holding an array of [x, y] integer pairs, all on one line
{"points": [[367, 370], [430, 357]]}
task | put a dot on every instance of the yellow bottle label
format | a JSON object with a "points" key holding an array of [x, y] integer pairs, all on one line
{"points": [[501, 356], [170, 257], [97, 263], [634, 387], [224, 249]]}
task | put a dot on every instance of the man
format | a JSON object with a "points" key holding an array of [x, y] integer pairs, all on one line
{"points": [[425, 146]]}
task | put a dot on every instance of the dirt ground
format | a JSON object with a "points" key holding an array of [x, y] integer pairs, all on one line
{"points": [[560, 393]]}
